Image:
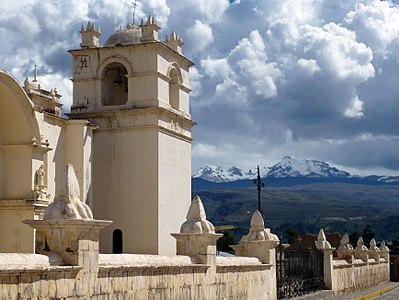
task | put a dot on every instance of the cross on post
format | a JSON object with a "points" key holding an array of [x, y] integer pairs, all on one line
{"points": [[134, 10], [259, 185]]}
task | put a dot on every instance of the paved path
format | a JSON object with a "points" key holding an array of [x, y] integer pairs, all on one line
{"points": [[371, 293], [392, 295]]}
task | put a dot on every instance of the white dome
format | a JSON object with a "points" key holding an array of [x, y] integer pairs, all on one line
{"points": [[129, 36]]}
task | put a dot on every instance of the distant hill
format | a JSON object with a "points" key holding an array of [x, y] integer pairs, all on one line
{"points": [[336, 207], [303, 194]]}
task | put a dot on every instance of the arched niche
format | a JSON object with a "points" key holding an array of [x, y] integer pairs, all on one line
{"points": [[175, 76], [117, 241], [18, 130], [114, 73]]}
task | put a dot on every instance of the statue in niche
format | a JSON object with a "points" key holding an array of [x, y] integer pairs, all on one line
{"points": [[39, 176], [40, 189]]}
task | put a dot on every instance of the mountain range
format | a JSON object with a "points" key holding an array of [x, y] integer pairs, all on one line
{"points": [[289, 170]]}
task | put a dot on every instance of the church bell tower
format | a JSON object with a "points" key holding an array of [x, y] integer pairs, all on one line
{"points": [[135, 90]]}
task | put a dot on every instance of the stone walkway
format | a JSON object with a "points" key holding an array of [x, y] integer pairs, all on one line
{"points": [[390, 291]]}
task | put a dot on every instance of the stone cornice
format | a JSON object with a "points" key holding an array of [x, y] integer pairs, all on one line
{"points": [[148, 44], [130, 110]]}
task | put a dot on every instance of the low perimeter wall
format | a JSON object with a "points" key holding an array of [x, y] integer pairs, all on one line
{"points": [[129, 276], [357, 275]]}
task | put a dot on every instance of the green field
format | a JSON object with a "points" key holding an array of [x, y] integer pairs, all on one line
{"points": [[336, 207]]}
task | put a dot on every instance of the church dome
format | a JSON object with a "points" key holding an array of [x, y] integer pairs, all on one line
{"points": [[129, 36]]}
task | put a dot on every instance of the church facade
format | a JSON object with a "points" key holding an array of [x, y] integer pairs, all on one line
{"points": [[128, 135]]}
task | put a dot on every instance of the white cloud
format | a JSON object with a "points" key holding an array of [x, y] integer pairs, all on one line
{"points": [[307, 66], [356, 109], [210, 11], [198, 37], [272, 77], [375, 23]]}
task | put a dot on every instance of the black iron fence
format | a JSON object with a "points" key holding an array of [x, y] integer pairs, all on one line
{"points": [[299, 270]]}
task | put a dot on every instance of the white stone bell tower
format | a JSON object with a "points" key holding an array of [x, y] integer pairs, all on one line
{"points": [[135, 89]]}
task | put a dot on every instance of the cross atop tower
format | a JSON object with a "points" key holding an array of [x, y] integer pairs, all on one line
{"points": [[259, 185], [135, 5]]}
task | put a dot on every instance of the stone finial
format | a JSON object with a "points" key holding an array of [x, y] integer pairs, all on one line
{"points": [[259, 242], [150, 20], [197, 237], [257, 231], [360, 245], [175, 42], [322, 242], [373, 245], [383, 247], [196, 219], [67, 204], [345, 243], [149, 30], [27, 84], [90, 36]]}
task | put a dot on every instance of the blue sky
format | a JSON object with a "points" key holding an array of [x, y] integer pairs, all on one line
{"points": [[316, 79]]}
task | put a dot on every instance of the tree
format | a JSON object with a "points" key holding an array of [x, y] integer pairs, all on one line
{"points": [[353, 237], [223, 244], [293, 235], [368, 234]]}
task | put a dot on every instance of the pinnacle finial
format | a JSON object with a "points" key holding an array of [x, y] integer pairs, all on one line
{"points": [[383, 247], [257, 222], [150, 20], [322, 242], [196, 219], [257, 231], [27, 83], [373, 245], [345, 243], [360, 245], [67, 204], [173, 36], [196, 211], [35, 74], [321, 236]]}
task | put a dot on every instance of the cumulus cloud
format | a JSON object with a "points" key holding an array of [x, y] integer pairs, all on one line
{"points": [[199, 37], [309, 78]]}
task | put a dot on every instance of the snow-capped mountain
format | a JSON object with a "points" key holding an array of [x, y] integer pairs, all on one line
{"points": [[293, 167], [388, 179], [218, 174], [287, 167]]}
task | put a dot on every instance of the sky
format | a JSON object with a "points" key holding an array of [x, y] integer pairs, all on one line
{"points": [[316, 79]]}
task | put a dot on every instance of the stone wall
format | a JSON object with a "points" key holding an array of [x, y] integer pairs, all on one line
{"points": [[69, 265], [349, 269], [358, 275], [137, 277]]}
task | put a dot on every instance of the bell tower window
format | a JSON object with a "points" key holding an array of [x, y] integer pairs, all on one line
{"points": [[174, 89], [114, 85]]}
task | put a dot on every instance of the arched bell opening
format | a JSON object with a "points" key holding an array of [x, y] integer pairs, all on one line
{"points": [[114, 84]]}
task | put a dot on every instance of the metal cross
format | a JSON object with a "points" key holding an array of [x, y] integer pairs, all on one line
{"points": [[259, 185], [134, 10]]}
